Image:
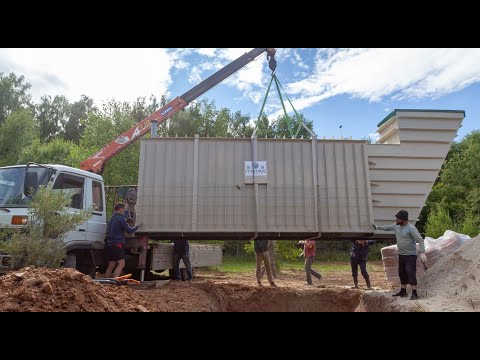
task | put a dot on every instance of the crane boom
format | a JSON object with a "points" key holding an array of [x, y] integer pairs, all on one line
{"points": [[97, 161]]}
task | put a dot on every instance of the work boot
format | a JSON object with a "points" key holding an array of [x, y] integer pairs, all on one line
{"points": [[369, 285], [414, 295], [401, 293], [355, 283], [272, 284], [259, 284]]}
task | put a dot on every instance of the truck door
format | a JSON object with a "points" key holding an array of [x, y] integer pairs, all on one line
{"points": [[96, 225], [74, 187]]}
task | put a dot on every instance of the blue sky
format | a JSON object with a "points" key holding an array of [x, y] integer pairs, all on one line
{"points": [[355, 88]]}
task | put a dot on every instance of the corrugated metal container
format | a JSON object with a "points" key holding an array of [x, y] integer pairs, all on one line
{"points": [[207, 188]]}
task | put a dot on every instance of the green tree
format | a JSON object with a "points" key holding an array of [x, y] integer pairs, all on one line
{"points": [[438, 222], [281, 126], [457, 188], [13, 94], [104, 126], [470, 225], [52, 116], [264, 128], [16, 133], [141, 110], [57, 151], [240, 125], [42, 244], [77, 115]]}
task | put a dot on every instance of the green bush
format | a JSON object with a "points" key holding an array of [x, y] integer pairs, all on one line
{"points": [[470, 225], [41, 243], [438, 221]]}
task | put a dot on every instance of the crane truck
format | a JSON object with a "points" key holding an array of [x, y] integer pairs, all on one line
{"points": [[85, 244]]}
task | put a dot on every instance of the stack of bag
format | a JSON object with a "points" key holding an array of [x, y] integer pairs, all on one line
{"points": [[434, 248]]}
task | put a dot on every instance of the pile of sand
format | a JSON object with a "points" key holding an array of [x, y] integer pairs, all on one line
{"points": [[453, 282], [44, 289]]}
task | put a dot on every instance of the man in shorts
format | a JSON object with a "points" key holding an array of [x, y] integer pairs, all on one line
{"points": [[115, 246]]}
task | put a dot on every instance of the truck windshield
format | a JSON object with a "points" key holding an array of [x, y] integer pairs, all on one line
{"points": [[11, 185]]}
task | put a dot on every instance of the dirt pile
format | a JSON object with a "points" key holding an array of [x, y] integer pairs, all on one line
{"points": [[68, 290], [453, 282]]}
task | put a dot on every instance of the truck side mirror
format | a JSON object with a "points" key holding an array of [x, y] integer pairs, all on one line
{"points": [[31, 183]]}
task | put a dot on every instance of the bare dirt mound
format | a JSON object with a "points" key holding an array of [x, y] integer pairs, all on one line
{"points": [[453, 282], [59, 290]]}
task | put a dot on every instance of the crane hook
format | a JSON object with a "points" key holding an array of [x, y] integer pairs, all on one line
{"points": [[272, 64]]}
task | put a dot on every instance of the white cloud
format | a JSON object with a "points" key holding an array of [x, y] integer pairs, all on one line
{"points": [[283, 54], [374, 136], [374, 74], [249, 80], [123, 74], [298, 61], [180, 64], [210, 52], [195, 77]]}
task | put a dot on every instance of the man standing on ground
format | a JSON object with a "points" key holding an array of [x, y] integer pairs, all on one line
{"points": [[115, 246], [309, 252], [359, 256], [182, 251], [272, 255], [261, 251], [407, 236]]}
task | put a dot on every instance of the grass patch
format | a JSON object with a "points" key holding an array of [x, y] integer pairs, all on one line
{"points": [[232, 264], [246, 264]]}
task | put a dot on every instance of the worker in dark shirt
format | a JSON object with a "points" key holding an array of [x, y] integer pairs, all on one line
{"points": [[262, 255], [115, 246], [182, 251], [359, 256]]}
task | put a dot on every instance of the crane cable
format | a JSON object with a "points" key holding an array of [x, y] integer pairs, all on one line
{"points": [[287, 118]]}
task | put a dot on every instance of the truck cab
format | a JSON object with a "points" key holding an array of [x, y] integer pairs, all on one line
{"points": [[85, 189]]}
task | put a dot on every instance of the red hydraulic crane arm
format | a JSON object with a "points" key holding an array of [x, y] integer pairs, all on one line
{"points": [[97, 161]]}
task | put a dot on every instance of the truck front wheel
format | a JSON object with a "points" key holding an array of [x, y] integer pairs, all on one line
{"points": [[81, 261], [70, 261]]}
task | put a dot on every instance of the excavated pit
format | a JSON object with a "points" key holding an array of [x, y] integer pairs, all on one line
{"points": [[230, 297], [246, 299]]}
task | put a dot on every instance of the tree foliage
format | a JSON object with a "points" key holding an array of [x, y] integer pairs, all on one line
{"points": [[13, 95], [42, 242], [16, 133], [455, 197], [52, 115], [77, 116], [57, 151]]}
